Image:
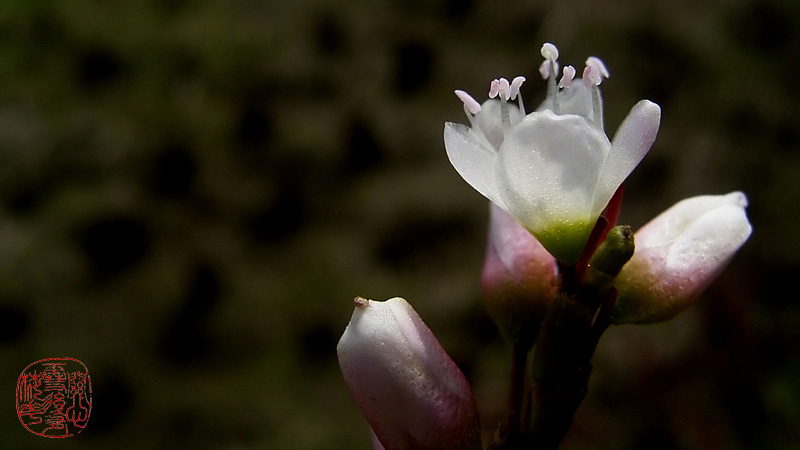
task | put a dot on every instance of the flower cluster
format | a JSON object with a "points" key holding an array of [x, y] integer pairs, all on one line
{"points": [[557, 271]]}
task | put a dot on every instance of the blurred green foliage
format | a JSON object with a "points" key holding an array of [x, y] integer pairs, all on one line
{"points": [[192, 192]]}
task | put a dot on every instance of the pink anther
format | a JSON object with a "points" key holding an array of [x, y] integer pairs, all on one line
{"points": [[516, 83], [591, 76], [494, 88], [504, 90], [567, 77], [549, 52], [470, 103], [544, 69], [597, 62]]}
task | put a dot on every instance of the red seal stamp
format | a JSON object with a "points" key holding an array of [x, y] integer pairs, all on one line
{"points": [[54, 397]]}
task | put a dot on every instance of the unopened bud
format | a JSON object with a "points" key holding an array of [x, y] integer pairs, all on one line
{"points": [[609, 257], [412, 394], [678, 254], [519, 278]]}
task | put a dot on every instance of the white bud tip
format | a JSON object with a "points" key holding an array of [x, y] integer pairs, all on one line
{"points": [[566, 79], [549, 52], [591, 76], [516, 83], [598, 63], [470, 103], [494, 88]]}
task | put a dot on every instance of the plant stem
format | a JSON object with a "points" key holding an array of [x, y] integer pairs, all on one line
{"points": [[519, 372], [561, 365]]}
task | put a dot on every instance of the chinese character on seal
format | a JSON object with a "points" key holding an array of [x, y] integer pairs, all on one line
{"points": [[54, 397]]}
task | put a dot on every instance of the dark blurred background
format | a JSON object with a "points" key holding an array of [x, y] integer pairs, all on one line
{"points": [[192, 192]]}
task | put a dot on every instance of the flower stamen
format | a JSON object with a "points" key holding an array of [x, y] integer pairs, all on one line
{"points": [[500, 87], [550, 54], [471, 106], [494, 88], [567, 77], [598, 63], [591, 79], [516, 83]]}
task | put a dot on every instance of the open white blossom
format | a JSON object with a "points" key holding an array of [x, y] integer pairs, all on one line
{"points": [[554, 170]]}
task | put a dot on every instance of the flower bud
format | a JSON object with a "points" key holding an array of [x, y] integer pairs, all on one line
{"points": [[677, 256], [607, 261], [519, 278], [412, 394]]}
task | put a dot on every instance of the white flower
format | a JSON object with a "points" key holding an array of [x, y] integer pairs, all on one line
{"points": [[553, 170], [678, 254]]}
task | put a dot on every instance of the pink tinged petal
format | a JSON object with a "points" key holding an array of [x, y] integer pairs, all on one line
{"points": [[633, 140], [519, 277], [547, 173], [678, 254], [412, 394], [472, 159]]}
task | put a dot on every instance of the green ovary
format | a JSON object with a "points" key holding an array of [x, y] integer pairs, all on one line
{"points": [[565, 240]]}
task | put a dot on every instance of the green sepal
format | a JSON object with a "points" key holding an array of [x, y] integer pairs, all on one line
{"points": [[610, 256]]}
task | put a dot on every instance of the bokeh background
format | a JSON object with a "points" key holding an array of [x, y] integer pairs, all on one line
{"points": [[193, 191]]}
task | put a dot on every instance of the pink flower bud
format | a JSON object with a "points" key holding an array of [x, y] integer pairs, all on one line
{"points": [[412, 394], [678, 254], [519, 278]]}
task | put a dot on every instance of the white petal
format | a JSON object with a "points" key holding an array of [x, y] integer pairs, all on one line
{"points": [[473, 160], [673, 222], [547, 173], [549, 168], [707, 244], [633, 140], [490, 121], [577, 99]]}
